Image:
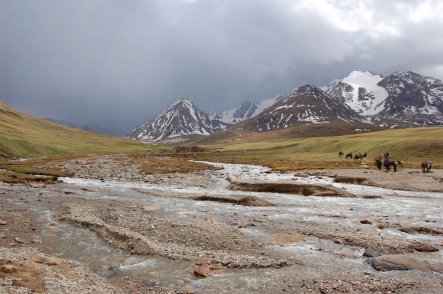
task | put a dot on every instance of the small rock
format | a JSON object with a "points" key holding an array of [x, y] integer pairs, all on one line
{"points": [[60, 276], [366, 222], [402, 262], [19, 240], [8, 268], [200, 274], [423, 247], [53, 231], [151, 284], [151, 208], [3, 222], [371, 253], [45, 260]]}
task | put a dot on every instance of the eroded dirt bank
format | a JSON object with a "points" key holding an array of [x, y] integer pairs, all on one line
{"points": [[405, 179], [112, 229]]}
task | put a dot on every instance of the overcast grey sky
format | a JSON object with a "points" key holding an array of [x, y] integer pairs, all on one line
{"points": [[118, 63]]}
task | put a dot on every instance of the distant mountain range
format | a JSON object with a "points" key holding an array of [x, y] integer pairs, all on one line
{"points": [[402, 99]]}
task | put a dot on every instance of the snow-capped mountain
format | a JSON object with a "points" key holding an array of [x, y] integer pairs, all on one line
{"points": [[246, 110], [402, 99], [180, 120], [413, 100], [360, 91], [305, 105]]}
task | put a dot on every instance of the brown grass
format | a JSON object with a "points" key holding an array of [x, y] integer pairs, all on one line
{"points": [[279, 163], [29, 171], [286, 239]]}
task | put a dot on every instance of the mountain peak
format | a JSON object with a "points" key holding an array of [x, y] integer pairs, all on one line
{"points": [[308, 88], [182, 101], [180, 120]]}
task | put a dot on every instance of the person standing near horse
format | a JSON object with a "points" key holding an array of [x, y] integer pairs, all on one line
{"points": [[378, 162]]}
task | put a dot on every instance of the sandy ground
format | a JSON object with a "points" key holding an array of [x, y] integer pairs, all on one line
{"points": [[406, 179], [111, 229]]}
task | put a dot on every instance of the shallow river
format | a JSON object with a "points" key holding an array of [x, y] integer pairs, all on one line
{"points": [[315, 257]]}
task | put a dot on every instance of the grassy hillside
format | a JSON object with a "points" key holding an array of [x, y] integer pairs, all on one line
{"points": [[237, 133], [22, 135], [410, 145]]}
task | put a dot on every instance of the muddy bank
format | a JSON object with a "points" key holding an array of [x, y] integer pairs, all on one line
{"points": [[289, 188], [406, 179]]}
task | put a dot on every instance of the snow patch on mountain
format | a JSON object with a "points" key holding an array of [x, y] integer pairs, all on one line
{"points": [[246, 110], [360, 91]]}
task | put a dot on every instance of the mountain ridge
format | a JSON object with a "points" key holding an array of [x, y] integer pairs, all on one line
{"points": [[399, 100]]}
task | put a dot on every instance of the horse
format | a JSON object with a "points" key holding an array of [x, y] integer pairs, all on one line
{"points": [[360, 156], [349, 155], [426, 166], [340, 154], [388, 164], [400, 164]]}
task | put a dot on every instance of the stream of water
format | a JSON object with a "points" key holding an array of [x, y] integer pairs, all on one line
{"points": [[317, 256]]}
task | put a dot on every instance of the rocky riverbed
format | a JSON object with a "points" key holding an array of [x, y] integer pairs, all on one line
{"points": [[112, 229]]}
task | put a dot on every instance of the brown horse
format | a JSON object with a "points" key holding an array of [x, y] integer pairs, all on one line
{"points": [[349, 155], [400, 164], [340, 154]]}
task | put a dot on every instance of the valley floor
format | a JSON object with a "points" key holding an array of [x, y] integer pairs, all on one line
{"points": [[111, 229]]}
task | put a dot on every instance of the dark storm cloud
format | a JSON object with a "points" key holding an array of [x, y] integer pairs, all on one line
{"points": [[118, 63]]}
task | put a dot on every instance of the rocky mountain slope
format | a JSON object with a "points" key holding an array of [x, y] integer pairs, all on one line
{"points": [[363, 100], [180, 120], [305, 105], [402, 99], [246, 110]]}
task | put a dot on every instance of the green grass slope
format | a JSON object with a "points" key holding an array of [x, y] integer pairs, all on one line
{"points": [[411, 145], [22, 135]]}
